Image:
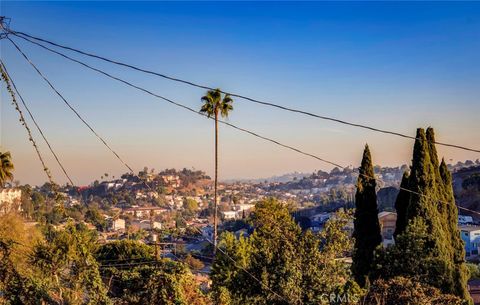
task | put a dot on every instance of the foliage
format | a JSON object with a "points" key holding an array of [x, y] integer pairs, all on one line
{"points": [[404, 291], [430, 248], [6, 168], [214, 104], [67, 258], [135, 278], [193, 263], [401, 205], [474, 271], [59, 269], [291, 267], [190, 206], [125, 251], [366, 225]]}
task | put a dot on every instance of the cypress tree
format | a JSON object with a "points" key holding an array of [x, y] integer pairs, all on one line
{"points": [[366, 225], [401, 205], [460, 276], [432, 201]]}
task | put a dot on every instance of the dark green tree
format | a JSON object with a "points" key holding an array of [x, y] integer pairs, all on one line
{"points": [[366, 225], [460, 273], [429, 249], [401, 205]]}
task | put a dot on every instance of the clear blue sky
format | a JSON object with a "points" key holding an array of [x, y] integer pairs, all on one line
{"points": [[391, 65]]}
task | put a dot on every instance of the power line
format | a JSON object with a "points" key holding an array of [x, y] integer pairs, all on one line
{"points": [[253, 100], [255, 134], [56, 91], [190, 109], [194, 111], [70, 106], [36, 124]]}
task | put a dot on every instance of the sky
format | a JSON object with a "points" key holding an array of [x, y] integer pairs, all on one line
{"points": [[390, 65]]}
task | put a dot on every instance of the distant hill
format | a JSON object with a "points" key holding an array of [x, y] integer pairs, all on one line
{"points": [[274, 179]]}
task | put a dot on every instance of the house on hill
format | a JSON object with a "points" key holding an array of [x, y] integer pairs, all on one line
{"points": [[387, 222]]}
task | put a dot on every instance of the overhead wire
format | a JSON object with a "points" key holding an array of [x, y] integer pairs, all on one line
{"points": [[37, 126], [70, 106], [240, 96], [118, 157], [255, 134], [194, 111], [190, 109]]}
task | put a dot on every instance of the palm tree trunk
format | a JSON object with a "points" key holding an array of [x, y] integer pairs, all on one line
{"points": [[215, 215]]}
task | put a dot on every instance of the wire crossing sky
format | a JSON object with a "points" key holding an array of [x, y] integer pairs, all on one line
{"points": [[393, 65]]}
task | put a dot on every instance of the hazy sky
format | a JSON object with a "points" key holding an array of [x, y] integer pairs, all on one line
{"points": [[391, 65]]}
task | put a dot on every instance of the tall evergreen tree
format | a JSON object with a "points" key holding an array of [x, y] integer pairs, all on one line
{"points": [[401, 205], [439, 253], [460, 276], [366, 225]]}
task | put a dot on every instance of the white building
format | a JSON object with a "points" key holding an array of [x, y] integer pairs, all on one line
{"points": [[144, 211], [147, 224], [10, 200], [227, 215], [116, 225]]}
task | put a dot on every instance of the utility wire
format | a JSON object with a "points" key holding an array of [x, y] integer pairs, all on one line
{"points": [[184, 106], [36, 124], [231, 125], [270, 104], [56, 91], [70, 106], [221, 121]]}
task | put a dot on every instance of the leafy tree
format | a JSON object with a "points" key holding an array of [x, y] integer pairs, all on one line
{"points": [[193, 263], [230, 283], [135, 278], [6, 168], [190, 206], [292, 267], [71, 271], [94, 216], [213, 106], [125, 251], [323, 270], [366, 225], [18, 289]]}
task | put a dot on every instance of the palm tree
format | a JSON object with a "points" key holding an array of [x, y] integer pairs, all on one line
{"points": [[214, 104], [6, 168]]}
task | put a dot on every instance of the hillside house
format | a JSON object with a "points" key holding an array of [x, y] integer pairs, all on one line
{"points": [[116, 224], [387, 222], [144, 212]]}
